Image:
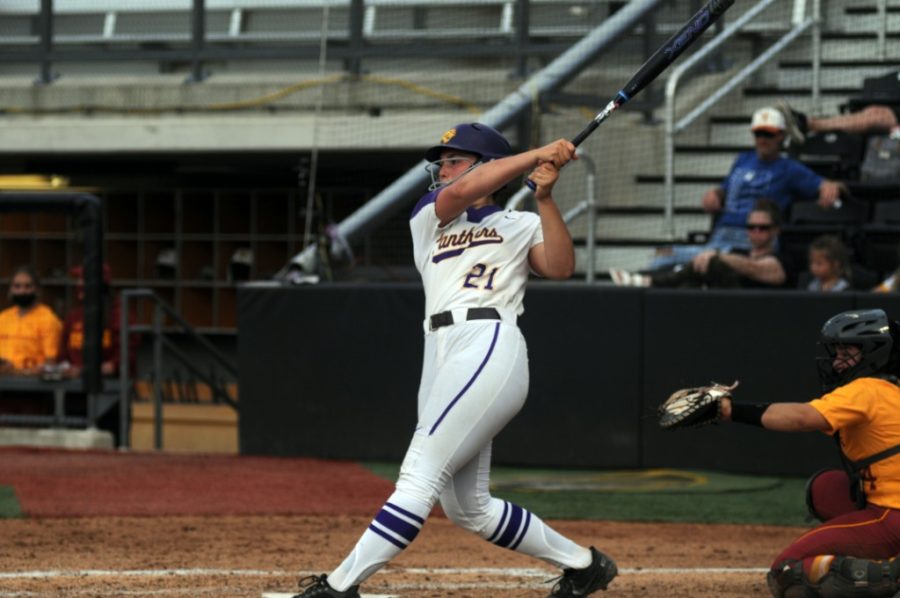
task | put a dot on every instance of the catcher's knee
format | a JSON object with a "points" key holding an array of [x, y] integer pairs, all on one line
{"points": [[828, 494], [850, 577], [789, 581]]}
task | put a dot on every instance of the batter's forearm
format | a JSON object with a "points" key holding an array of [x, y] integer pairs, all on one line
{"points": [[559, 254], [489, 177]]}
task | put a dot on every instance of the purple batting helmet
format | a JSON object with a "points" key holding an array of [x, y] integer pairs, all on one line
{"points": [[474, 138]]}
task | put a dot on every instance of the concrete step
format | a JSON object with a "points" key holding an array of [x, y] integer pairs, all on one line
{"points": [[712, 163], [799, 74], [687, 195], [625, 257], [645, 227], [90, 438], [870, 22], [837, 45]]}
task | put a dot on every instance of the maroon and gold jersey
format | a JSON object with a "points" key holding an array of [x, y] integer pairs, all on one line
{"points": [[867, 414]]}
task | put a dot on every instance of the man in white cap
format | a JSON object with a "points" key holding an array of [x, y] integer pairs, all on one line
{"points": [[756, 174]]}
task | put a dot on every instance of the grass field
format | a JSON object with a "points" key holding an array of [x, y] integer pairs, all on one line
{"points": [[9, 506]]}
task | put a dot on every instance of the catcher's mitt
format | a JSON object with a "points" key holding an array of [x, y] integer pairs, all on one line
{"points": [[694, 407]]}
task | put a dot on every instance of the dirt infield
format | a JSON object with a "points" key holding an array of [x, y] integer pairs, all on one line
{"points": [[74, 544]]}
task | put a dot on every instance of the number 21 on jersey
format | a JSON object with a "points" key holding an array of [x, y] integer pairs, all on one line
{"points": [[476, 278]]}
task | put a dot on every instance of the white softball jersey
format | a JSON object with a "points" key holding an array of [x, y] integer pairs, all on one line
{"points": [[477, 260]]}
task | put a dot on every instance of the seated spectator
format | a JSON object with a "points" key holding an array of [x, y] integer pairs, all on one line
{"points": [[71, 346], [763, 266], [763, 172], [875, 118], [829, 265], [29, 330]]}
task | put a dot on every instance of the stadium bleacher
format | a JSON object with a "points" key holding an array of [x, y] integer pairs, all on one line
{"points": [[107, 21]]}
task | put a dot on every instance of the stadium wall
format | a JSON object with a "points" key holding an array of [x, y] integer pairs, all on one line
{"points": [[332, 371]]}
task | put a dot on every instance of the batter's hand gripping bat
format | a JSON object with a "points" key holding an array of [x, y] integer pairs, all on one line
{"points": [[660, 61]]}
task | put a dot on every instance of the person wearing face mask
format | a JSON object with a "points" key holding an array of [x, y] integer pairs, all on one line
{"points": [[29, 330]]}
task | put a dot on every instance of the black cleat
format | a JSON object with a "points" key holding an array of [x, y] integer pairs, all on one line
{"points": [[794, 121], [317, 585], [582, 582]]}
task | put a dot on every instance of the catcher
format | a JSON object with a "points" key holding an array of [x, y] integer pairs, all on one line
{"points": [[851, 554]]}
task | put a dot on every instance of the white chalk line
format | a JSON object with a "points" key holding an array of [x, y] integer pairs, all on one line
{"points": [[194, 590], [498, 572]]}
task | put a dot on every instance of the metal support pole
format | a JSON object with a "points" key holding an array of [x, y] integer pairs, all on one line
{"points": [[198, 40], [157, 377], [882, 29], [92, 399], [45, 30], [523, 33], [357, 14], [124, 374], [648, 41], [591, 206], [669, 176], [817, 55], [59, 406]]}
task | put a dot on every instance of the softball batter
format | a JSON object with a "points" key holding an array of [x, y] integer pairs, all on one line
{"points": [[474, 259]]}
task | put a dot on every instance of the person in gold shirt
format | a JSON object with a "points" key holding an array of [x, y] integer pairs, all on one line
{"points": [[852, 552], [29, 330]]}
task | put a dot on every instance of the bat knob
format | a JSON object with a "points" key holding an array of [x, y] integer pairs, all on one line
{"points": [[531, 184]]}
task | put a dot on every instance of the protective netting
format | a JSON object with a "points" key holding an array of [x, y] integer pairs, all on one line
{"points": [[356, 90]]}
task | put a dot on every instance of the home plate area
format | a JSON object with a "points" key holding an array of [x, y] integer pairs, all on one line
{"points": [[291, 594]]}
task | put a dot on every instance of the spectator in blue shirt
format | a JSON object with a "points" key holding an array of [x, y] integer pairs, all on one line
{"points": [[763, 172]]}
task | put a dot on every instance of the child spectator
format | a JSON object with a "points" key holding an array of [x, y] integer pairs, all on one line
{"points": [[829, 265]]}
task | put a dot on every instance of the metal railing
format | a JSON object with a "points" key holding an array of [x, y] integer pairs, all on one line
{"points": [[161, 344], [881, 7], [674, 127]]}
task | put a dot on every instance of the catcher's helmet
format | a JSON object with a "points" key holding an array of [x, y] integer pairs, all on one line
{"points": [[868, 329], [475, 138]]}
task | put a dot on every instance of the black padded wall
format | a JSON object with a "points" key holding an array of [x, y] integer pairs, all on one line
{"points": [[764, 339], [333, 371], [329, 370], [584, 396]]}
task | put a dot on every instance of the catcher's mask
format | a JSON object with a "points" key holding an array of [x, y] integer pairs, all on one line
{"points": [[482, 141], [868, 329]]}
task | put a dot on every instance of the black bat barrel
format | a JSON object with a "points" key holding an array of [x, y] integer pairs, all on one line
{"points": [[674, 46]]}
